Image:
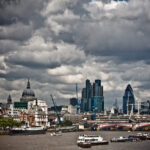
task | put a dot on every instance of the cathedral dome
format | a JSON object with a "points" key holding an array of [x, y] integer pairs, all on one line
{"points": [[28, 94], [28, 91]]}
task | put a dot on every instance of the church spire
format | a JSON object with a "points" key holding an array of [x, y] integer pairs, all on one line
{"points": [[28, 84], [9, 100]]}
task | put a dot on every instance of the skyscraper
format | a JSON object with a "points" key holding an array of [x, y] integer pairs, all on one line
{"points": [[97, 96], [128, 100], [86, 97], [73, 101], [92, 97]]}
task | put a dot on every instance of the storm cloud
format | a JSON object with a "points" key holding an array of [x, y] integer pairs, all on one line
{"points": [[57, 43]]}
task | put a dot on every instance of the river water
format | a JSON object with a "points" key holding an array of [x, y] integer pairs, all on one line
{"points": [[67, 142]]}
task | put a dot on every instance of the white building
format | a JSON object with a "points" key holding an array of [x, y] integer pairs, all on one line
{"points": [[39, 111], [72, 109]]}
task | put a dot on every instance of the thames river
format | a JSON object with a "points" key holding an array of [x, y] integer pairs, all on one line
{"points": [[67, 142]]}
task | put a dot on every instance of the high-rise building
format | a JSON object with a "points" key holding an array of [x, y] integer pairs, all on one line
{"points": [[145, 107], [97, 96], [128, 100], [86, 97], [73, 101], [92, 97]]}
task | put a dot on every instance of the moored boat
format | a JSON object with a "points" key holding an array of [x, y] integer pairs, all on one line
{"points": [[56, 134], [120, 139], [133, 138], [141, 136], [27, 130]]}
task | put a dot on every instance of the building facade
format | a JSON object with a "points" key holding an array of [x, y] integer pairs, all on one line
{"points": [[145, 107], [128, 100], [92, 97], [73, 101], [32, 111]]}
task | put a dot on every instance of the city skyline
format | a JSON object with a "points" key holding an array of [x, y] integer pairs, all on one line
{"points": [[59, 43]]}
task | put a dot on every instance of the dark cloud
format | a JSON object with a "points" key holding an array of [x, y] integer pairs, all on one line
{"points": [[58, 43]]}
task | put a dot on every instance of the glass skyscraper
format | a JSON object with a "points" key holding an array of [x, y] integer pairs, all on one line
{"points": [[128, 100], [92, 97]]}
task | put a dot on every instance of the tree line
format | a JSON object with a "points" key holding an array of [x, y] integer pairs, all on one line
{"points": [[6, 123]]}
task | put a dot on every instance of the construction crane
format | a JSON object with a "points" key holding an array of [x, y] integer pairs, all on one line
{"points": [[56, 110], [78, 104], [95, 102]]}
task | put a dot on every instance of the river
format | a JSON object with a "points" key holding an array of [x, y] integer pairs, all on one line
{"points": [[67, 142]]}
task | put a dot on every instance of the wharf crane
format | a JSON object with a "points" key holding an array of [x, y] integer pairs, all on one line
{"points": [[56, 110]]}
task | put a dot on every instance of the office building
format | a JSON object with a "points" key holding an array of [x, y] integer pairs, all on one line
{"points": [[73, 101], [128, 100], [92, 97]]}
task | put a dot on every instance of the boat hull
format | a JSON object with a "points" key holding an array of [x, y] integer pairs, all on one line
{"points": [[100, 143], [26, 132], [84, 145]]}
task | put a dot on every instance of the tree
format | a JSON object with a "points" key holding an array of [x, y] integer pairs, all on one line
{"points": [[8, 123], [67, 123]]}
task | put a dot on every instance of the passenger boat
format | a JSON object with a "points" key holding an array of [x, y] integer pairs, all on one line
{"points": [[27, 130], [120, 139], [92, 139]]}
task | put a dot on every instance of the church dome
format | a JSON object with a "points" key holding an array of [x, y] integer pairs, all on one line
{"points": [[28, 92]]}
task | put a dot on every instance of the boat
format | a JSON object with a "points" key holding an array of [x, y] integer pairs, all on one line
{"points": [[141, 136], [85, 144], [147, 136], [120, 139], [92, 139], [56, 133], [27, 130], [133, 138]]}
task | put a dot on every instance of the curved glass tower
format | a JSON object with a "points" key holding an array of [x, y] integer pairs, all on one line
{"points": [[128, 100]]}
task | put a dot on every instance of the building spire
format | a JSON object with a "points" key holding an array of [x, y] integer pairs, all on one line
{"points": [[28, 84], [9, 100]]}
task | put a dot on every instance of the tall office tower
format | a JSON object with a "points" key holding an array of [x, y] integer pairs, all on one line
{"points": [[86, 97], [97, 96], [91, 93], [128, 100], [73, 101]]}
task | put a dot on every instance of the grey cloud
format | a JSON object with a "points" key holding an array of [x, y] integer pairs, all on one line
{"points": [[41, 35], [17, 31]]}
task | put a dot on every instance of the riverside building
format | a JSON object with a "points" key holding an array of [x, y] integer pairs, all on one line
{"points": [[30, 110]]}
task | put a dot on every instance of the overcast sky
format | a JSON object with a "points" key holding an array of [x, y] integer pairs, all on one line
{"points": [[58, 43]]}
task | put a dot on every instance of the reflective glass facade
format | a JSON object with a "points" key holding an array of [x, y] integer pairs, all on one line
{"points": [[128, 100]]}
